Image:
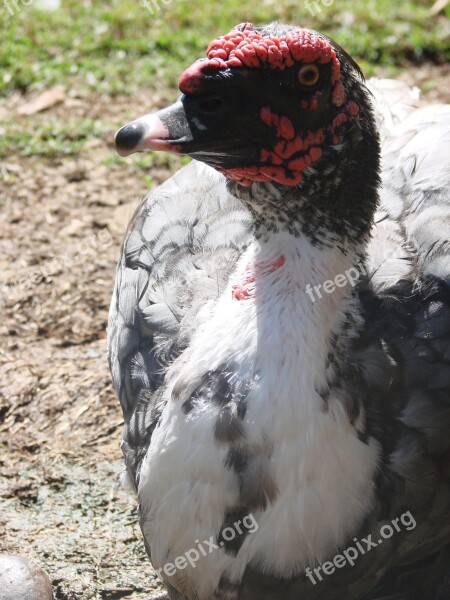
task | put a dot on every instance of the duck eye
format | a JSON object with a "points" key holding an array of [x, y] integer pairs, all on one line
{"points": [[308, 75]]}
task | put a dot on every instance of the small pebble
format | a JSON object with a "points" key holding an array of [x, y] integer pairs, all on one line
{"points": [[22, 579]]}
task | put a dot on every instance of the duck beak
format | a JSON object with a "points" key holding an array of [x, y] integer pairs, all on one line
{"points": [[164, 130], [215, 125]]}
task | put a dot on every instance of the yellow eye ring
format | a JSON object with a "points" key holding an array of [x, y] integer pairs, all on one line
{"points": [[308, 75]]}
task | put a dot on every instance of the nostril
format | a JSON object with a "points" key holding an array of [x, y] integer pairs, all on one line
{"points": [[211, 105]]}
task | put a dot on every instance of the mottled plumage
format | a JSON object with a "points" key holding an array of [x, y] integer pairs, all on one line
{"points": [[324, 416]]}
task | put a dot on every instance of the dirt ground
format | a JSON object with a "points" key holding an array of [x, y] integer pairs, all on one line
{"points": [[61, 224]]}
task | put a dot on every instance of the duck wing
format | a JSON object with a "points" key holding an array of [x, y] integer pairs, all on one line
{"points": [[180, 248], [402, 357]]}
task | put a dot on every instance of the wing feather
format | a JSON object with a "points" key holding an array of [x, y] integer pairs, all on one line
{"points": [[181, 246]]}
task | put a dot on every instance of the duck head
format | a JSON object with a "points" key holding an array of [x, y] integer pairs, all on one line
{"points": [[276, 106]]}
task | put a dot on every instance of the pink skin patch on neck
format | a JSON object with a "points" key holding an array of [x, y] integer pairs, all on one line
{"points": [[246, 289], [294, 150]]}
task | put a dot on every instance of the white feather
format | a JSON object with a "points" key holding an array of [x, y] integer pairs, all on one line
{"points": [[322, 470]]}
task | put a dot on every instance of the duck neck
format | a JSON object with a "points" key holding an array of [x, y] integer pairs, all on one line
{"points": [[300, 286]]}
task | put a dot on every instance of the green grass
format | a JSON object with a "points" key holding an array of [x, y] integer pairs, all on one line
{"points": [[118, 45], [114, 45], [52, 138]]}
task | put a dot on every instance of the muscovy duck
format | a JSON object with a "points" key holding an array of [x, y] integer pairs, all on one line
{"points": [[279, 334]]}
